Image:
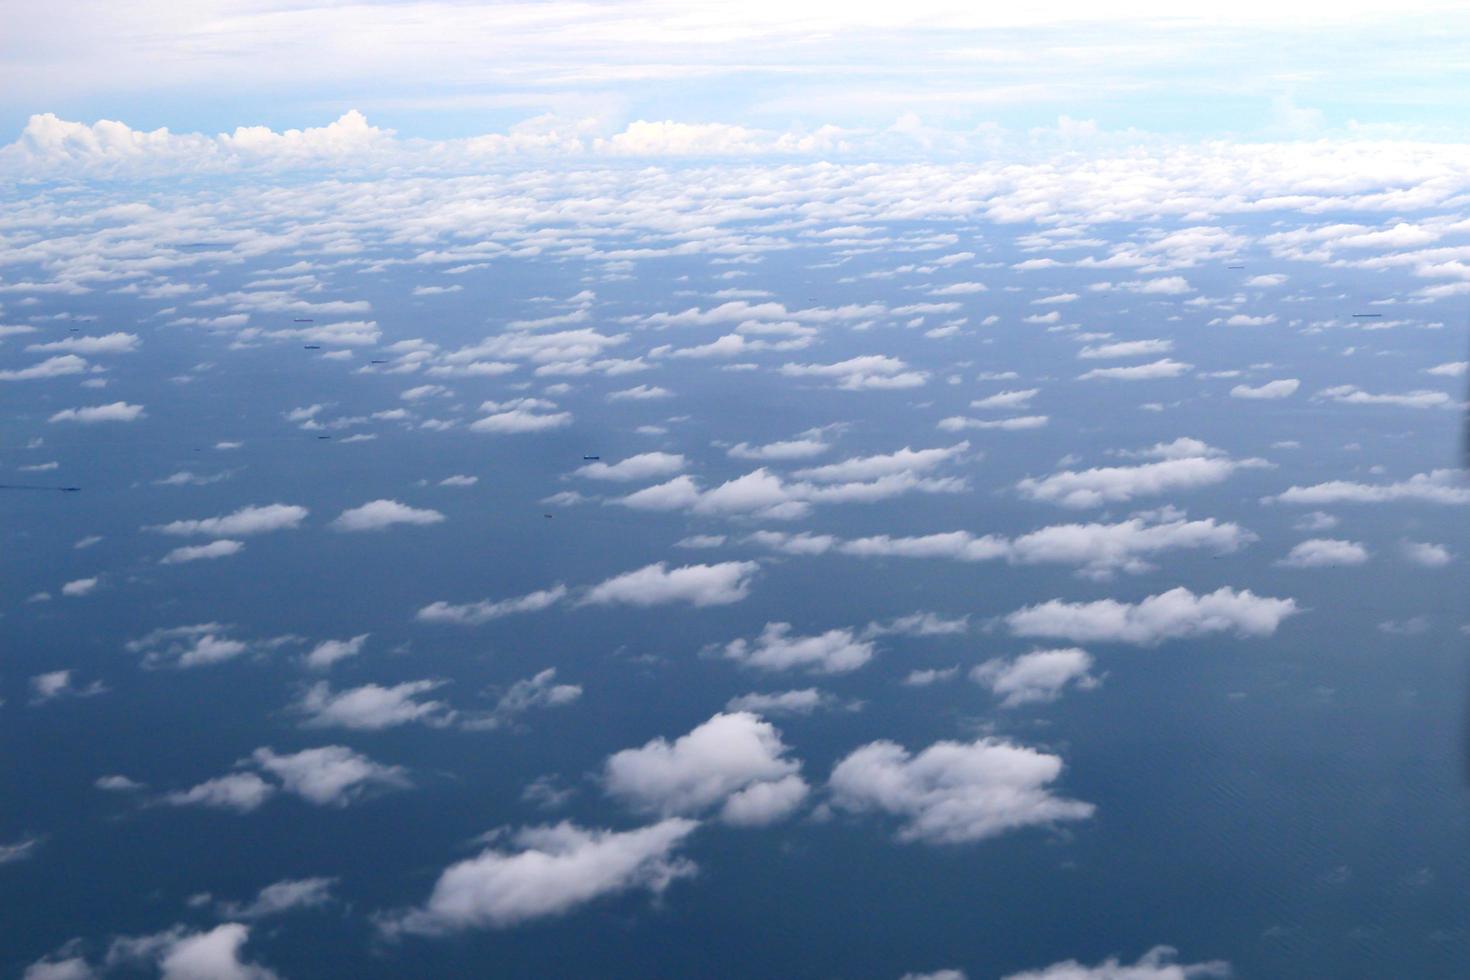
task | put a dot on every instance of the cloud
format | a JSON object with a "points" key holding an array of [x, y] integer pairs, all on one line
{"points": [[1126, 348], [1202, 466], [242, 523], [1436, 487], [1175, 614], [1426, 553], [372, 707], [656, 584], [476, 613], [537, 691], [282, 897], [199, 645], [836, 651], [80, 587], [799, 702], [1353, 395], [548, 872], [1324, 553], [1163, 368], [866, 373], [735, 763], [240, 791], [328, 652], [331, 775], [112, 343], [1159, 963], [519, 420], [53, 367], [58, 684], [378, 515], [182, 955], [222, 548], [115, 412], [643, 466], [1036, 677], [954, 792], [1284, 388]]}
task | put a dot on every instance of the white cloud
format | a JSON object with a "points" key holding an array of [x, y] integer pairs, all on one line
{"points": [[735, 763], [643, 466], [80, 587], [1437, 487], [330, 775], [222, 548], [1284, 388], [52, 367], [112, 343], [1353, 395], [869, 372], [657, 584], [241, 523], [1426, 553], [795, 702], [1203, 466], [372, 707], [955, 792], [520, 420], [836, 651], [328, 652], [475, 613], [114, 412], [240, 791], [1325, 552], [549, 872], [377, 515], [1126, 348], [1175, 614], [282, 897], [1159, 963], [1162, 368], [1039, 676]]}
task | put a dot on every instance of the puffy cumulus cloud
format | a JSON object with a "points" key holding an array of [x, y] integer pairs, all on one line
{"points": [[331, 775], [1185, 464], [954, 792], [657, 584], [328, 652], [1426, 553], [1325, 553], [372, 707], [1159, 963], [1162, 368], [1126, 348], [644, 466], [905, 460], [1284, 388], [1098, 550], [89, 415], [240, 791], [1436, 487], [179, 954], [836, 651], [223, 548], [518, 421], [547, 872], [111, 343], [762, 493], [242, 523], [1175, 614], [538, 691], [378, 515], [734, 762], [198, 645], [1353, 395], [52, 367], [810, 444], [1039, 676], [866, 373], [476, 613]]}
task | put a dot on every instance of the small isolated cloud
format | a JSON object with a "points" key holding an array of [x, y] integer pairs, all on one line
{"points": [[1159, 963], [735, 763], [644, 466], [546, 872], [372, 707], [242, 523], [954, 792], [1175, 614], [328, 652], [222, 548], [1284, 388], [836, 651], [1036, 677], [378, 515], [52, 367], [115, 412], [1325, 553], [1162, 368], [1436, 487], [1184, 464], [281, 897], [476, 613], [657, 584], [1425, 553]]}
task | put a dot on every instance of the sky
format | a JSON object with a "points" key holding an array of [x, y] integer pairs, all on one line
{"points": [[727, 490]]}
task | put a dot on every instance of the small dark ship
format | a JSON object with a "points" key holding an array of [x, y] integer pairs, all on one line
{"points": [[313, 346], [377, 361], [591, 457], [1366, 316], [303, 320]]}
